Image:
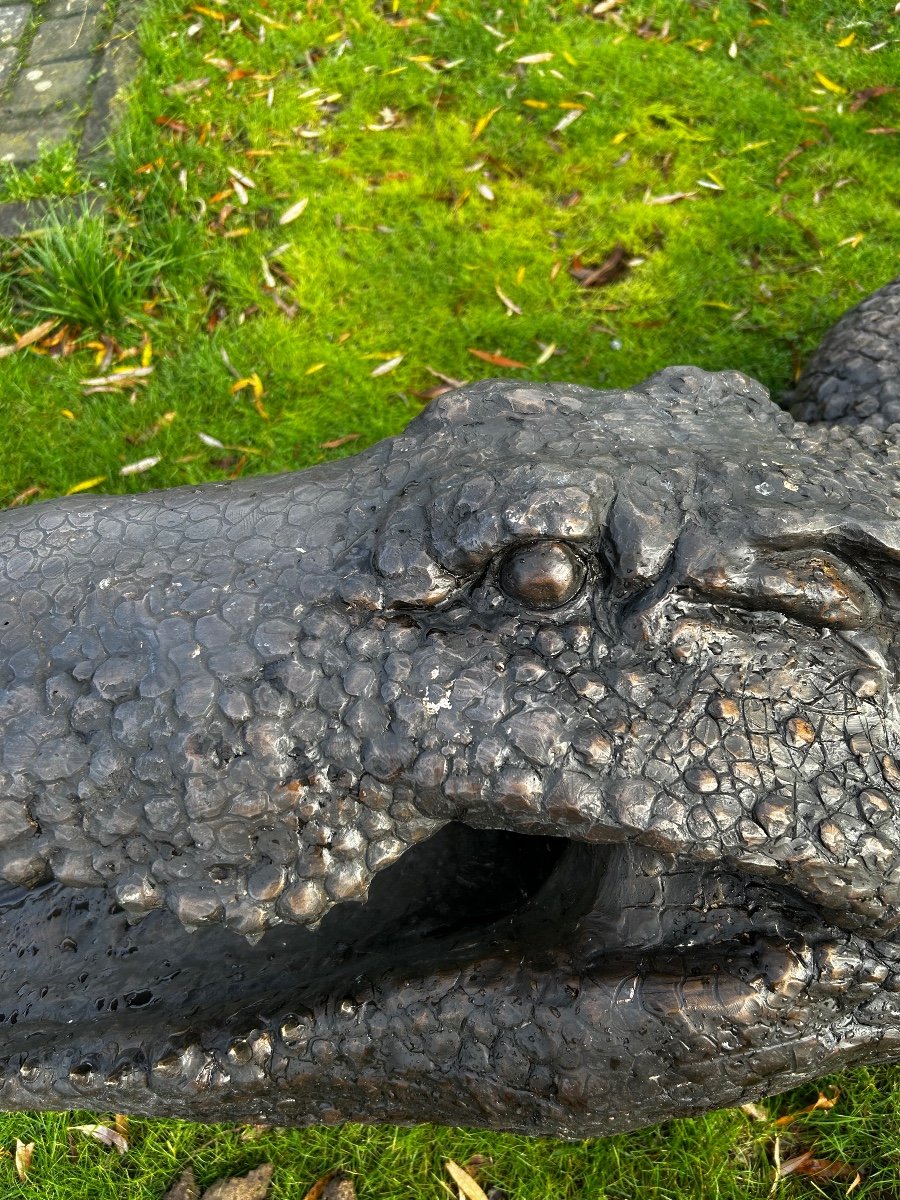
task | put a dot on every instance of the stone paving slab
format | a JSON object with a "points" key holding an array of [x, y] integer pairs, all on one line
{"points": [[60, 38], [7, 58], [61, 64], [13, 20], [51, 85], [22, 140]]}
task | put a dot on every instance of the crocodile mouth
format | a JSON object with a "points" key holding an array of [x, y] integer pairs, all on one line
{"points": [[206, 1023], [77, 972]]}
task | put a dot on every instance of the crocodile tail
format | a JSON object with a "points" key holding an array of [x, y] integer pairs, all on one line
{"points": [[853, 378]]}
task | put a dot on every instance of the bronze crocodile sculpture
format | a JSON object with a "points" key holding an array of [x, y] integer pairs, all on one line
{"points": [[538, 768]]}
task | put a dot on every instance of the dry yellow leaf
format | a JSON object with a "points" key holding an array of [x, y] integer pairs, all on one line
{"points": [[482, 123], [464, 1181], [68, 414], [846, 41], [251, 381], [85, 485], [618, 138], [24, 1151], [315, 367], [830, 85]]}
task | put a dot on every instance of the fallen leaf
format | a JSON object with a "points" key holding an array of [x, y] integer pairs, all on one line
{"points": [[102, 1133], [24, 1151], [183, 89], [470, 1189], [804, 229], [754, 1111], [482, 123], [240, 177], [178, 127], [506, 302], [852, 241], [528, 59], [569, 119], [497, 360], [120, 379], [432, 393], [546, 354], [884, 129], [818, 1168], [670, 198], [846, 41], [135, 468], [28, 339], [210, 441], [821, 1101], [386, 367], [24, 497], [613, 266], [251, 381], [870, 93], [830, 85], [448, 379], [329, 1187], [336, 443], [85, 485], [319, 366], [292, 213], [252, 1186], [185, 1188]]}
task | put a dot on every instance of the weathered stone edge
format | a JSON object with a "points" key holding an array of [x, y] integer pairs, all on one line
{"points": [[21, 216], [117, 65]]}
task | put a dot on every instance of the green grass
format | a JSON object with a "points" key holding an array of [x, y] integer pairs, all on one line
{"points": [[720, 1156], [401, 251]]}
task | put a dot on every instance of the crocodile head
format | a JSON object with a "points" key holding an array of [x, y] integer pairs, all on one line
{"points": [[535, 769]]}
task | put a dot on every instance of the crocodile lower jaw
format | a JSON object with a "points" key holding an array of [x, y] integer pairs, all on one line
{"points": [[488, 978]]}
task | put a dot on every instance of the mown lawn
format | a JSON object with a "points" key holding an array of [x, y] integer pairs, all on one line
{"points": [[733, 160]]}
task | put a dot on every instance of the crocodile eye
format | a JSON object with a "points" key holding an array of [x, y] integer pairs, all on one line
{"points": [[543, 575]]}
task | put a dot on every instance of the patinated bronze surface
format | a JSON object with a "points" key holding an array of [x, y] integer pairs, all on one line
{"points": [[536, 768]]}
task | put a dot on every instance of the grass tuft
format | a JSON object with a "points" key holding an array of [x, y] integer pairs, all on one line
{"points": [[87, 272]]}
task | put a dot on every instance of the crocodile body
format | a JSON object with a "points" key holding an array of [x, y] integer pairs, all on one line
{"points": [[538, 768]]}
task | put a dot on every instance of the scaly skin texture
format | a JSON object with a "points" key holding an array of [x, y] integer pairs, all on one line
{"points": [[537, 769]]}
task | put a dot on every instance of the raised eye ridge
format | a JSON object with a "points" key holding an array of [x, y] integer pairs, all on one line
{"points": [[541, 575]]}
